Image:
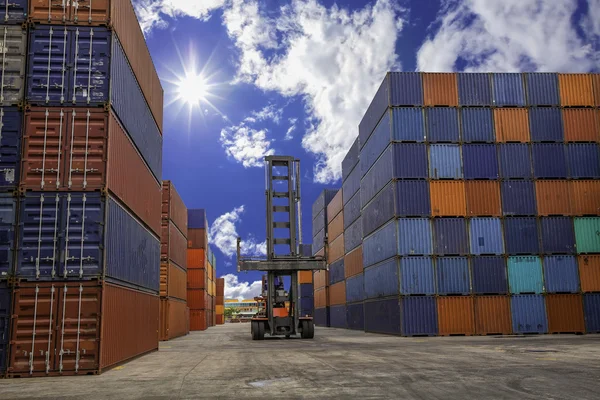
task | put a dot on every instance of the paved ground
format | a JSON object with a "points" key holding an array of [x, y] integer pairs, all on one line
{"points": [[224, 362]]}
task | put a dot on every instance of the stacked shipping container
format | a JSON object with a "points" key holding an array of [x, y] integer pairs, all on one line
{"points": [[220, 301], [335, 259]]}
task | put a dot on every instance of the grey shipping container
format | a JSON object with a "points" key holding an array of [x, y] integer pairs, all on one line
{"points": [[351, 160], [11, 135], [13, 60], [8, 221], [542, 89], [323, 201], [353, 236], [351, 210], [351, 186]]}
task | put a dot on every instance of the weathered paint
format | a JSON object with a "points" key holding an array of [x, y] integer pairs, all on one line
{"points": [[515, 160], [518, 198], [546, 125], [492, 315], [336, 272], [525, 275], [383, 316], [381, 245], [477, 125], [355, 316], [442, 125], [474, 89], [417, 275], [586, 235], [412, 198], [453, 275], [8, 239], [549, 160], [489, 275], [408, 124], [450, 236], [350, 160], [565, 313], [445, 161], [508, 90], [456, 315], [338, 316], [558, 236], [486, 236], [377, 143], [355, 291], [591, 310], [561, 274], [382, 280], [419, 316], [414, 236], [529, 314], [542, 89], [583, 160], [480, 161]]}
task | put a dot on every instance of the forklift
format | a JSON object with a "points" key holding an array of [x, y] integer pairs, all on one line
{"points": [[280, 313]]}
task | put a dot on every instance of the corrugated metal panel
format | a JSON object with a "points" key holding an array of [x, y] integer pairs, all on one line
{"points": [[336, 227], [445, 161], [518, 198], [338, 316], [377, 143], [5, 316], [553, 197], [336, 272], [8, 221], [589, 273], [480, 161], [525, 275], [173, 245], [196, 259], [508, 90], [336, 249], [412, 198], [378, 106], [483, 198], [474, 89], [529, 314], [512, 125], [560, 274], [558, 236], [383, 316], [456, 315], [542, 89], [306, 289], [414, 236], [173, 207], [515, 161], [351, 210], [477, 125], [353, 262], [172, 315], [440, 89], [197, 279], [584, 160], [351, 186], [591, 305], [408, 124], [419, 316], [406, 89], [378, 211], [355, 316], [321, 316], [581, 125], [337, 293], [353, 236], [382, 280], [576, 90], [586, 234], [450, 236], [197, 299], [492, 315], [11, 133], [546, 125], [489, 275], [13, 60], [596, 83], [521, 236], [350, 160], [321, 297], [442, 125], [486, 236], [319, 222], [335, 207], [453, 275], [197, 219], [417, 275], [565, 313], [197, 320], [355, 289], [14, 12], [381, 245]]}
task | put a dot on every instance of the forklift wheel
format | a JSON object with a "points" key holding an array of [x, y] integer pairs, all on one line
{"points": [[257, 329], [308, 329], [254, 330]]}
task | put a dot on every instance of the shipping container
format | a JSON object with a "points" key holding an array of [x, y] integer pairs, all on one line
{"points": [[448, 198], [5, 317], [542, 89], [512, 125], [589, 273], [596, 83], [173, 245], [351, 210], [480, 161], [319, 222], [196, 259], [320, 203], [197, 238], [197, 219], [565, 313], [408, 124], [518, 198], [306, 306], [198, 320], [591, 309], [379, 211], [11, 133], [583, 160], [321, 316], [440, 89], [549, 160], [525, 275], [581, 125], [558, 236], [355, 291], [173, 281], [353, 262], [336, 271], [173, 207], [336, 249], [318, 241], [198, 299], [383, 316], [417, 276], [515, 161], [351, 186], [414, 236], [450, 236], [306, 290], [8, 225], [13, 59], [553, 197], [474, 89], [483, 198], [576, 90], [561, 274], [546, 125], [529, 314], [321, 279], [379, 105], [337, 294], [419, 316], [477, 125], [456, 315], [442, 125], [321, 297], [509, 89], [382, 280], [412, 198], [335, 207], [336, 227], [14, 12], [350, 160], [445, 161], [492, 315], [338, 316], [304, 277], [453, 276], [355, 316], [586, 235], [172, 316], [489, 275], [377, 143]]}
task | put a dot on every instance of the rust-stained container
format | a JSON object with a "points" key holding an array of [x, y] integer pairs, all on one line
{"points": [[512, 125], [173, 207], [321, 297], [456, 315], [589, 273], [585, 197], [553, 197], [581, 125], [173, 319], [219, 299], [220, 319], [321, 279], [337, 294], [303, 277], [197, 320], [173, 245], [197, 299], [173, 281], [565, 313], [596, 83], [196, 259], [335, 206], [336, 249], [576, 90], [483, 198], [448, 198], [492, 315], [336, 227], [197, 238], [353, 262], [440, 89]]}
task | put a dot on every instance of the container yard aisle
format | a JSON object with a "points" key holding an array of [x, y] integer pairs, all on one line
{"points": [[225, 363]]}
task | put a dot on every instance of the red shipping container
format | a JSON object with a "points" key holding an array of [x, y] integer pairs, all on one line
{"points": [[220, 319], [565, 313], [492, 315], [197, 320], [197, 299], [173, 245], [196, 259], [173, 319], [173, 281], [197, 238], [589, 273], [173, 207]]}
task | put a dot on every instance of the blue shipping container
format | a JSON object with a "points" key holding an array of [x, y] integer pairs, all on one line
{"points": [[11, 132], [318, 223], [353, 236], [591, 310], [306, 290], [5, 316], [377, 143], [382, 280], [508, 90], [306, 306], [515, 161], [323, 201], [350, 160], [378, 106], [412, 198], [379, 211], [13, 12], [546, 125], [525, 275], [442, 125], [408, 124], [355, 316], [336, 271], [450, 236], [318, 241], [584, 160], [477, 125], [561, 274], [383, 316], [474, 90], [486, 236], [445, 161], [337, 316], [489, 275], [417, 275], [521, 236], [351, 186], [197, 219], [558, 235], [351, 210], [414, 237], [518, 198], [419, 316], [321, 316], [8, 221], [355, 290], [542, 89], [480, 161], [529, 314], [381, 245], [549, 160], [453, 276]]}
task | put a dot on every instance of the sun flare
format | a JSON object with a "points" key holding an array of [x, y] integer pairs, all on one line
{"points": [[193, 89]]}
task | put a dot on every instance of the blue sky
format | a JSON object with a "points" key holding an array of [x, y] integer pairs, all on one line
{"points": [[247, 78]]}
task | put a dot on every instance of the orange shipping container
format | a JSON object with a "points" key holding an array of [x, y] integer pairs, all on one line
{"points": [[173, 281], [197, 320], [337, 294], [492, 315], [196, 258], [197, 238], [173, 207], [553, 197], [196, 299], [219, 300], [512, 125], [196, 278], [336, 227], [483, 198], [576, 90], [305, 277], [219, 309], [353, 262], [585, 196], [321, 279], [565, 313], [321, 297], [335, 206], [173, 319], [210, 271], [173, 246], [589, 273], [456, 315], [440, 89], [220, 319], [596, 83], [336, 249], [448, 198], [581, 125]]}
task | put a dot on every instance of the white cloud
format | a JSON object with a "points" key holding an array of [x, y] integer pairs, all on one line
{"points": [[246, 145], [335, 59], [268, 113], [223, 234], [289, 134], [234, 289], [508, 35], [152, 13], [591, 23]]}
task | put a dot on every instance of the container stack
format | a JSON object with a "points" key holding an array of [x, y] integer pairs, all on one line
{"points": [[211, 316], [220, 301], [335, 259], [173, 265], [88, 237], [306, 285]]}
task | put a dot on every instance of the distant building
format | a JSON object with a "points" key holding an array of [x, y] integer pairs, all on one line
{"points": [[245, 307]]}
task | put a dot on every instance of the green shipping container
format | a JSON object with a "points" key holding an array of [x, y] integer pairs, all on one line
{"points": [[587, 235], [525, 275]]}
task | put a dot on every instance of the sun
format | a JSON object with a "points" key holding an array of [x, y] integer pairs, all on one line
{"points": [[193, 89]]}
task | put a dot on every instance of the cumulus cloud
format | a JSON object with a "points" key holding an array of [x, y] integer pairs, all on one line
{"points": [[269, 113], [223, 234], [591, 23], [289, 135], [509, 36], [234, 289], [155, 13], [246, 144]]}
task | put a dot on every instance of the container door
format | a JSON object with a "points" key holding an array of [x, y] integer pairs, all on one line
{"points": [[8, 206], [90, 55], [49, 11], [13, 11], [11, 132], [12, 59], [33, 330], [90, 11]]}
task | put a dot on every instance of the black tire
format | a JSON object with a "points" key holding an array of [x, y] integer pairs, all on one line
{"points": [[261, 331], [311, 329], [254, 330], [305, 329]]}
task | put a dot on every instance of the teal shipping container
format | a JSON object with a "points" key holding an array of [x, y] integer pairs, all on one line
{"points": [[525, 275], [587, 235]]}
